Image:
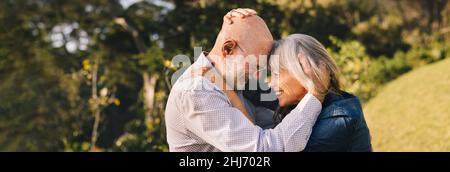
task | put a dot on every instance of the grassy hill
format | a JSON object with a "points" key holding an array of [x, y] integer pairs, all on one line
{"points": [[412, 113]]}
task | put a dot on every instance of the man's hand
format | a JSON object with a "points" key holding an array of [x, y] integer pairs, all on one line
{"points": [[212, 76], [240, 12]]}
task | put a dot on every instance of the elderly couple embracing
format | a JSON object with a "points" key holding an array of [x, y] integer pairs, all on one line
{"points": [[212, 108]]}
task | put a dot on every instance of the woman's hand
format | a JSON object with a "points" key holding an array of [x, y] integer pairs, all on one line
{"points": [[321, 91], [220, 82], [205, 72], [320, 79], [239, 12]]}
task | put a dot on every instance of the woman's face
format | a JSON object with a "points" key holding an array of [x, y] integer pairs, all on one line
{"points": [[288, 90]]}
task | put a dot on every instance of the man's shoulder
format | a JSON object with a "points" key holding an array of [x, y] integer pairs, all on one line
{"points": [[198, 94], [193, 84], [196, 86]]}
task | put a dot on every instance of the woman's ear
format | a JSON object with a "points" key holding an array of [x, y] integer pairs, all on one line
{"points": [[228, 47]]}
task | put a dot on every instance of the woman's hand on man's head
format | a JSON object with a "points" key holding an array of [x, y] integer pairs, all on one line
{"points": [[239, 12]]}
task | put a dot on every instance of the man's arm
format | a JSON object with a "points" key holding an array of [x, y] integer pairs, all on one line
{"points": [[211, 117]]}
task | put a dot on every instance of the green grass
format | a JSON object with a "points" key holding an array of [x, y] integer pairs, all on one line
{"points": [[412, 113]]}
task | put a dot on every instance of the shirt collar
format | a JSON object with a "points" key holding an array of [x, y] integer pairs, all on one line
{"points": [[202, 61]]}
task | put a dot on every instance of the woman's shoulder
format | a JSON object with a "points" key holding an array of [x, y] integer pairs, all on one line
{"points": [[340, 113], [340, 127], [343, 105]]}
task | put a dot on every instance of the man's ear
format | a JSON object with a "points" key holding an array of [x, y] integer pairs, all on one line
{"points": [[228, 46]]}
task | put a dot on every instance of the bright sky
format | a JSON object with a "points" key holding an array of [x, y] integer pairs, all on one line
{"points": [[61, 34], [127, 3]]}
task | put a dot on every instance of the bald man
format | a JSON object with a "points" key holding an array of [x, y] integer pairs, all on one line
{"points": [[200, 117]]}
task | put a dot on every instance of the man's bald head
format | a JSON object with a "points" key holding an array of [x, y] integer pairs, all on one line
{"points": [[251, 33], [240, 48]]}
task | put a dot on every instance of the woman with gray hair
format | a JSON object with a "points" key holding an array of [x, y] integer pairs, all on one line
{"points": [[299, 63]]}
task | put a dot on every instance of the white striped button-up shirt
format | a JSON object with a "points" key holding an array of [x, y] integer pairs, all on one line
{"points": [[199, 117]]}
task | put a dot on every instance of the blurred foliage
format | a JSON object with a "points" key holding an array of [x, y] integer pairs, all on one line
{"points": [[48, 50], [363, 74]]}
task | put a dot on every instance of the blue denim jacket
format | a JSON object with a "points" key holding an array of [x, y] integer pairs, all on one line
{"points": [[340, 126]]}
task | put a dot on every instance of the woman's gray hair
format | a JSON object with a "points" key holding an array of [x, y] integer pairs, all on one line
{"points": [[307, 60]]}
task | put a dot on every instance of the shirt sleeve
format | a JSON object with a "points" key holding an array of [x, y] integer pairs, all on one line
{"points": [[210, 116]]}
